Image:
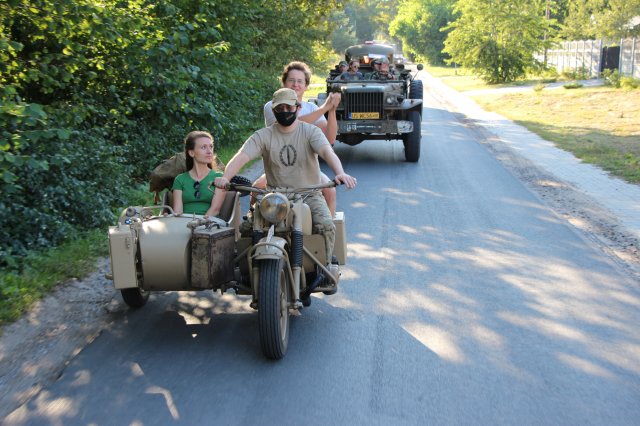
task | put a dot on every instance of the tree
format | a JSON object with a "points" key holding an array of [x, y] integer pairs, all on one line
{"points": [[589, 19], [498, 38], [579, 23], [419, 24], [618, 19], [343, 34]]}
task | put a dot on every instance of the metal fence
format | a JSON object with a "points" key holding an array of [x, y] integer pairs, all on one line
{"points": [[587, 56]]}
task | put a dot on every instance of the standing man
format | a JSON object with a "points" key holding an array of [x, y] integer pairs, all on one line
{"points": [[305, 142]]}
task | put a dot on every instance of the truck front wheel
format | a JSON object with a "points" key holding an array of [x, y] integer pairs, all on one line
{"points": [[412, 140]]}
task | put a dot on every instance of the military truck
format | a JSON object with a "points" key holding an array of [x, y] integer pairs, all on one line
{"points": [[378, 109]]}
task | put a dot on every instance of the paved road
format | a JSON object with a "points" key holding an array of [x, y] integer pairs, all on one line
{"points": [[465, 301]]}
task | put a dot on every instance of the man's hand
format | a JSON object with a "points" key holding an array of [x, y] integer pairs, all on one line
{"points": [[349, 181], [332, 102], [221, 182], [334, 98]]}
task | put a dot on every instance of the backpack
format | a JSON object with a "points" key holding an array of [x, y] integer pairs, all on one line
{"points": [[163, 175]]}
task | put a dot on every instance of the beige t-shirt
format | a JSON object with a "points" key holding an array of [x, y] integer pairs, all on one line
{"points": [[290, 159]]}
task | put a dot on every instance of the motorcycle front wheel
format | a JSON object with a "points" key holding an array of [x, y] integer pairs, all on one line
{"points": [[273, 308]]}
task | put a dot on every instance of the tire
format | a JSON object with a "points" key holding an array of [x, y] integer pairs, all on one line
{"points": [[135, 297], [415, 89], [273, 309], [412, 140]]}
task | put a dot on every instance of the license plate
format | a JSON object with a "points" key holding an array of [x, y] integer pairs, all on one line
{"points": [[365, 115]]}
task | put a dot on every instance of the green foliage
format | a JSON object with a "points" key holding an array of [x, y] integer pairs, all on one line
{"points": [[611, 78], [419, 24], [539, 87], [498, 39], [629, 83], [581, 73], [93, 95], [343, 34], [594, 19], [573, 85]]}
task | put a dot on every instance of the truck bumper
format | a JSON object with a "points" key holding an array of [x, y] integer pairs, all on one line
{"points": [[375, 126]]}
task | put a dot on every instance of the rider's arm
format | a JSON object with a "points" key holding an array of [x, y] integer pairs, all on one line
{"points": [[330, 126], [330, 157], [232, 169]]}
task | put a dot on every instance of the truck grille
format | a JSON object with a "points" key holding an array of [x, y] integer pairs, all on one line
{"points": [[364, 102]]}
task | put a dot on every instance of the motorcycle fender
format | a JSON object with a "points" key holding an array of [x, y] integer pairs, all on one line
{"points": [[268, 251]]}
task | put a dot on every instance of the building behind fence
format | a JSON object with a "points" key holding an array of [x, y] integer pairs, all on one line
{"points": [[594, 56]]}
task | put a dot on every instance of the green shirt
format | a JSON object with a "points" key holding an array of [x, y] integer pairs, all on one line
{"points": [[190, 204]]}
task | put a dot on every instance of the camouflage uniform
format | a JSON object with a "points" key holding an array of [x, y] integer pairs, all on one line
{"points": [[377, 75]]}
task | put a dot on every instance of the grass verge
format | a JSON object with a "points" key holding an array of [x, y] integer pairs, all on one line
{"points": [[600, 125], [76, 258]]}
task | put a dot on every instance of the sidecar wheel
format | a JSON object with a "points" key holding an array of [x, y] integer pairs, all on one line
{"points": [[273, 309], [135, 297]]}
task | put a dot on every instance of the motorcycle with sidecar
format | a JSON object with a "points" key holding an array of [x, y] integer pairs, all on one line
{"points": [[280, 262]]}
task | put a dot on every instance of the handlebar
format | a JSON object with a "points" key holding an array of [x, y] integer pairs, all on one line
{"points": [[236, 187]]}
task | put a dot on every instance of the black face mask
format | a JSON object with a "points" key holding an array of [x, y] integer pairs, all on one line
{"points": [[285, 118]]}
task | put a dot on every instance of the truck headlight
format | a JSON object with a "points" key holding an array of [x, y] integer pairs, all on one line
{"points": [[391, 99], [274, 207]]}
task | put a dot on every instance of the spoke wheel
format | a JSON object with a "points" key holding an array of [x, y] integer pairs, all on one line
{"points": [[273, 309]]}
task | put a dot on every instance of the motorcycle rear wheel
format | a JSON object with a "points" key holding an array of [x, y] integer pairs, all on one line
{"points": [[273, 308]]}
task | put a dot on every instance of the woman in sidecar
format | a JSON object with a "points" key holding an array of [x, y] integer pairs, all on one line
{"points": [[152, 247], [193, 191]]}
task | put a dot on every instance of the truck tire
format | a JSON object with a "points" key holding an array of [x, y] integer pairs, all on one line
{"points": [[273, 308], [415, 89], [412, 140]]}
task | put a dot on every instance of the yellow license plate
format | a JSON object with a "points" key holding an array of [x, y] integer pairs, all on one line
{"points": [[365, 115]]}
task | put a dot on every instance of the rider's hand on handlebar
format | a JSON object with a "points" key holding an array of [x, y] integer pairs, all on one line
{"points": [[349, 181], [221, 182]]}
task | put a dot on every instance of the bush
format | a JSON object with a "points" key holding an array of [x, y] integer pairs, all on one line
{"points": [[573, 85], [539, 87], [581, 73], [611, 78], [629, 83]]}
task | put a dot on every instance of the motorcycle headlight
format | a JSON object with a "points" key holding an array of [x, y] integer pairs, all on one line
{"points": [[274, 207]]}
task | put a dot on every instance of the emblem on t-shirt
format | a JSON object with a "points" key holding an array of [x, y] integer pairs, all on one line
{"points": [[288, 155]]}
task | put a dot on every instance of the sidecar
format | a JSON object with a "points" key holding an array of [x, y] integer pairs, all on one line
{"points": [[152, 249]]}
